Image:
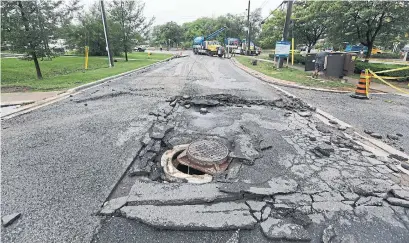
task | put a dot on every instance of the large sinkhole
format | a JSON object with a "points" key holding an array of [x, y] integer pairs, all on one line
{"points": [[197, 162]]}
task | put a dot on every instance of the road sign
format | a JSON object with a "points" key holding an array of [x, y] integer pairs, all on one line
{"points": [[282, 49]]}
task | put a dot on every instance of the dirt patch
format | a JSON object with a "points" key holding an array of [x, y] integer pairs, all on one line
{"points": [[15, 89]]}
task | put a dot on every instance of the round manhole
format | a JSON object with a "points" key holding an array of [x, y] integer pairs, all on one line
{"points": [[207, 152]]}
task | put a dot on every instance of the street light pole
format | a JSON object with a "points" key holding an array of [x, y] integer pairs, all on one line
{"points": [[104, 22], [286, 26], [248, 31]]}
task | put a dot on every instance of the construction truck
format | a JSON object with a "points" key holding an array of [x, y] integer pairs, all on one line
{"points": [[232, 45], [358, 48], [205, 44], [254, 50]]}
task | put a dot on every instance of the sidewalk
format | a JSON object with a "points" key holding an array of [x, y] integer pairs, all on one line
{"points": [[12, 101], [374, 86]]}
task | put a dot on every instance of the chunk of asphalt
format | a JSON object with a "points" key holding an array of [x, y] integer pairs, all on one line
{"points": [[368, 132], [159, 131], [392, 137], [244, 148], [203, 102], [399, 134], [398, 202], [9, 219], [274, 186], [265, 213], [393, 167], [218, 216], [112, 205], [277, 229], [330, 207], [304, 114], [146, 192], [295, 199], [403, 194], [369, 201], [203, 110], [398, 157], [376, 135], [327, 196]]}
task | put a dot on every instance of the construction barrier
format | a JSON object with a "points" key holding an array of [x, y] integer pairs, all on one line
{"points": [[362, 89]]}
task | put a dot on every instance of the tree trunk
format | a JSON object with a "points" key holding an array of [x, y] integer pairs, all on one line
{"points": [[38, 70], [369, 52], [308, 49], [126, 55], [30, 44]]}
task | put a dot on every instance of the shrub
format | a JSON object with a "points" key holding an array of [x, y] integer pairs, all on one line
{"points": [[386, 56], [299, 59], [376, 67]]}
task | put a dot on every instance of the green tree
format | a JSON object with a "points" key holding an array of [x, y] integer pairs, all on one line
{"points": [[133, 24], [28, 25], [309, 22], [89, 31], [365, 21], [170, 31], [272, 29]]}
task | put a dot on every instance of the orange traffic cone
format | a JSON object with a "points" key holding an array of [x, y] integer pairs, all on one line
{"points": [[361, 91]]}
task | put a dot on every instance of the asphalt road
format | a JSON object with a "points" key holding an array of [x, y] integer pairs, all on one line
{"points": [[61, 162], [382, 113]]}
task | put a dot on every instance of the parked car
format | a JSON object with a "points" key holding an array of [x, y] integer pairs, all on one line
{"points": [[139, 49]]}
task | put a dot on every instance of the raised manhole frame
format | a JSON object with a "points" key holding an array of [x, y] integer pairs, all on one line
{"points": [[174, 175]]}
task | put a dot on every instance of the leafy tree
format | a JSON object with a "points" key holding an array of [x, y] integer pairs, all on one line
{"points": [[133, 24], [169, 31], [89, 31], [272, 29], [365, 21], [28, 25], [309, 22]]}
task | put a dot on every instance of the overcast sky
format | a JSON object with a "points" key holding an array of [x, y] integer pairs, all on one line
{"points": [[182, 11]]}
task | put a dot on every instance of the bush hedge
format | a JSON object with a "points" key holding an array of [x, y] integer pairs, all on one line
{"points": [[386, 56], [376, 67], [297, 58]]}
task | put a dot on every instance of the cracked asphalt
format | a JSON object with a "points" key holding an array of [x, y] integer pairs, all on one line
{"points": [[383, 113], [294, 178]]}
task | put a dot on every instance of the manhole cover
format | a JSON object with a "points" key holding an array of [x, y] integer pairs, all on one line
{"points": [[207, 152]]}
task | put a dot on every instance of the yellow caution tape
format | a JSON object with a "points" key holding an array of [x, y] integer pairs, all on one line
{"points": [[392, 70], [385, 77], [391, 85]]}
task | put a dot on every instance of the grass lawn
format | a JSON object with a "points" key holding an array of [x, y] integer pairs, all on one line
{"points": [[293, 75], [65, 72]]}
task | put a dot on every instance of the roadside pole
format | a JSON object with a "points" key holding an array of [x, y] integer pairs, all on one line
{"points": [[292, 51], [86, 57], [248, 32], [285, 31], [104, 22]]}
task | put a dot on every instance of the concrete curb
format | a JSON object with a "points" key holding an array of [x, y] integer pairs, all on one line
{"points": [[374, 143], [280, 82], [76, 90], [13, 103]]}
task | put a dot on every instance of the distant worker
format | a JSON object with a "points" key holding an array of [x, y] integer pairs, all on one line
{"points": [[220, 51], [319, 63]]}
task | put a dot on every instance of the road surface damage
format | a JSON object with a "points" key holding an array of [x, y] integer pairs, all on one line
{"points": [[270, 163]]}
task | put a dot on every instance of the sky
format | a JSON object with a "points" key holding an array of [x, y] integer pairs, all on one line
{"points": [[181, 11]]}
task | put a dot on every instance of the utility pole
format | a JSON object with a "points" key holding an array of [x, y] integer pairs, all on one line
{"points": [[248, 32], [104, 22], [286, 26]]}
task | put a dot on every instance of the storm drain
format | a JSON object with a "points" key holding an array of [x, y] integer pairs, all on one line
{"points": [[196, 162]]}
